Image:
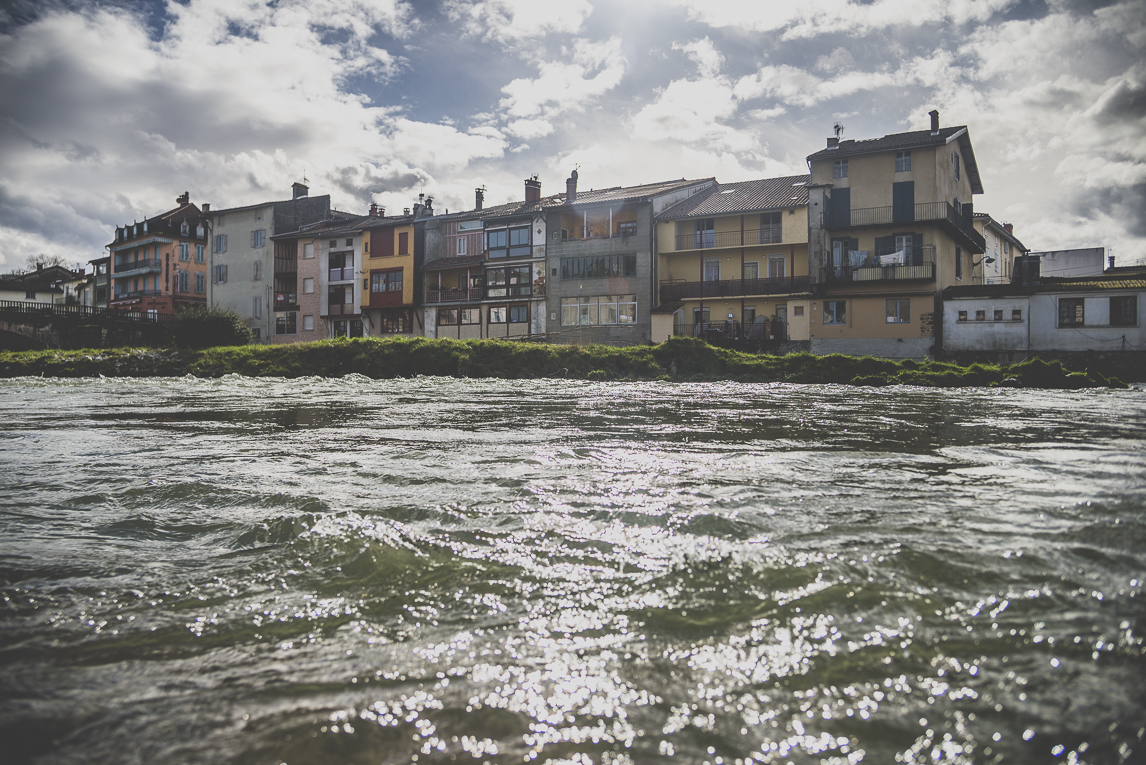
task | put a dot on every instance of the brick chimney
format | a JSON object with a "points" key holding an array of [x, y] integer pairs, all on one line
{"points": [[571, 188], [934, 121], [206, 207], [532, 189], [1009, 228]]}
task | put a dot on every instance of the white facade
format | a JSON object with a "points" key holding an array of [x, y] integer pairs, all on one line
{"points": [[242, 265], [1072, 264]]}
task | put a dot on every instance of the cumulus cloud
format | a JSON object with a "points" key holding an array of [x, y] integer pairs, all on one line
{"points": [[514, 21], [593, 69]]}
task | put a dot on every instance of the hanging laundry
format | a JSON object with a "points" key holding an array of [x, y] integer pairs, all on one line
{"points": [[857, 258]]}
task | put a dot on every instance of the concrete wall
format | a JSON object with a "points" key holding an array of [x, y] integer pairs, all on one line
{"points": [[866, 319], [887, 348], [1090, 261], [987, 334], [1096, 334]]}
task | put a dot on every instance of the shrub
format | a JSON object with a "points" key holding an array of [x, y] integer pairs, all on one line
{"points": [[210, 327]]}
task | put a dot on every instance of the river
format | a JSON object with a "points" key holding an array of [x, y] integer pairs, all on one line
{"points": [[438, 571]]}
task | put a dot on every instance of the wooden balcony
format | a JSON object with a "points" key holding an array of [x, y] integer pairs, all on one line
{"points": [[674, 291]]}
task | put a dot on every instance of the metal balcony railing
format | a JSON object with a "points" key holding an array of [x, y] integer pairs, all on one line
{"points": [[918, 265], [341, 309], [705, 240], [136, 294], [136, 267], [454, 296], [897, 214], [672, 291], [767, 330], [342, 274]]}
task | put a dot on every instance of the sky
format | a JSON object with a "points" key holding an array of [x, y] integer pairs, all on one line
{"points": [[110, 109]]}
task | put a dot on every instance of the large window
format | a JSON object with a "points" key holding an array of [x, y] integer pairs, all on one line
{"points": [[200, 282], [184, 281], [840, 168], [1124, 311], [835, 312], [286, 323], [510, 281], [898, 311], [341, 266], [184, 251], [396, 321], [1070, 312], [200, 253], [599, 267], [509, 242], [386, 281], [599, 309]]}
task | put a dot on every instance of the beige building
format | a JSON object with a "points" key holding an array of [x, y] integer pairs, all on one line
{"points": [[732, 263], [890, 225]]}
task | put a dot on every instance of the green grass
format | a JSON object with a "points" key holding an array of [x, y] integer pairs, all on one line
{"points": [[679, 359]]}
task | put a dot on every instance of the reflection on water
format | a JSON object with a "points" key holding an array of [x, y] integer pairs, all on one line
{"points": [[431, 570]]}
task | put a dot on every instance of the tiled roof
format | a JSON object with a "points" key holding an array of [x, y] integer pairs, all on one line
{"points": [[1047, 284], [447, 263], [746, 196], [899, 141], [586, 198]]}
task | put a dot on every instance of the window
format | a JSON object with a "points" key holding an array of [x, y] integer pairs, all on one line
{"points": [[258, 237], [286, 322], [221, 243], [518, 314], [200, 282], [798, 310], [341, 266], [200, 232], [1016, 314], [959, 263], [308, 285], [835, 312], [902, 161], [349, 242], [220, 275], [998, 314], [955, 161], [256, 334], [308, 323], [257, 307], [184, 282], [962, 316], [184, 251], [511, 281], [751, 270], [627, 227], [509, 242], [840, 168], [776, 267], [1070, 312], [461, 246], [712, 270], [333, 243], [184, 229], [31, 294], [599, 309], [308, 250], [366, 246], [980, 315], [599, 267], [386, 281], [898, 311], [1124, 311], [340, 295], [258, 274], [403, 243], [447, 317], [749, 315], [1006, 246], [497, 314], [200, 253]]}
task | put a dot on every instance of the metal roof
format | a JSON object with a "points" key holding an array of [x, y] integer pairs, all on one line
{"points": [[746, 196]]}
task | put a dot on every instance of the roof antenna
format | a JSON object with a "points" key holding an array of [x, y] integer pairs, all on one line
{"points": [[839, 128]]}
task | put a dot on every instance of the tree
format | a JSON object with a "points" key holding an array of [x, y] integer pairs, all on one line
{"points": [[43, 260]]}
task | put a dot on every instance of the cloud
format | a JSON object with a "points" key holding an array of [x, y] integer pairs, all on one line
{"points": [[561, 87], [703, 53], [514, 21]]}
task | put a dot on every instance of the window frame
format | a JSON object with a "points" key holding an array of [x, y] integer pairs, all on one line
{"points": [[1067, 306], [903, 162], [1124, 300], [901, 313], [838, 313], [840, 169]]}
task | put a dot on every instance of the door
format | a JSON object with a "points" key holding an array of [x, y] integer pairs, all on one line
{"points": [[706, 233], [903, 202], [780, 328]]}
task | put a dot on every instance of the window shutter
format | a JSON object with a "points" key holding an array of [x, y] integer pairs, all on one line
{"points": [[916, 253], [884, 245]]}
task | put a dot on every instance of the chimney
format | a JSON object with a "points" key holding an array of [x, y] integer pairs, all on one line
{"points": [[184, 198], [532, 189], [373, 210], [571, 188], [1009, 228], [429, 206], [1110, 260], [406, 211], [479, 195], [300, 190], [206, 207], [934, 121], [833, 142]]}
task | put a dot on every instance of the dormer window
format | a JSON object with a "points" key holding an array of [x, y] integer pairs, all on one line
{"points": [[145, 227], [184, 228], [134, 229], [200, 231]]}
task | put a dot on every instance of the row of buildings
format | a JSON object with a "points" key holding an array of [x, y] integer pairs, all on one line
{"points": [[863, 255]]}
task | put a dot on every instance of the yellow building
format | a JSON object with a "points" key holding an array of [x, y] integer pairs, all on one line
{"points": [[890, 225], [390, 277], [732, 263]]}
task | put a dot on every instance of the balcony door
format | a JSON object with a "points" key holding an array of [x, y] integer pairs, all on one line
{"points": [[903, 202], [841, 208], [776, 267], [706, 233]]}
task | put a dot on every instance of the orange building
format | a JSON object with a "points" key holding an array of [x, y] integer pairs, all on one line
{"points": [[159, 266]]}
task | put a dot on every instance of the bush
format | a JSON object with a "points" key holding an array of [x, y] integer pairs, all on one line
{"points": [[210, 327]]}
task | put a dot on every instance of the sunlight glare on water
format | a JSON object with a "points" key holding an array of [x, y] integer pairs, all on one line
{"points": [[431, 570]]}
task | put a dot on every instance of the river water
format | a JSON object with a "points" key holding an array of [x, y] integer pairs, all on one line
{"points": [[432, 570]]}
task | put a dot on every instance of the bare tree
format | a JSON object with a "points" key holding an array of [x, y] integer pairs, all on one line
{"points": [[44, 260]]}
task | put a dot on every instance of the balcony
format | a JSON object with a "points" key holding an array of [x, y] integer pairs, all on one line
{"points": [[286, 265], [714, 240], [918, 265], [137, 267], [943, 212], [470, 295], [674, 291], [101, 280], [388, 299], [732, 332], [136, 294], [341, 309]]}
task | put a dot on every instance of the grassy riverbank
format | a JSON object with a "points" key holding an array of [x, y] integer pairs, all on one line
{"points": [[679, 359]]}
